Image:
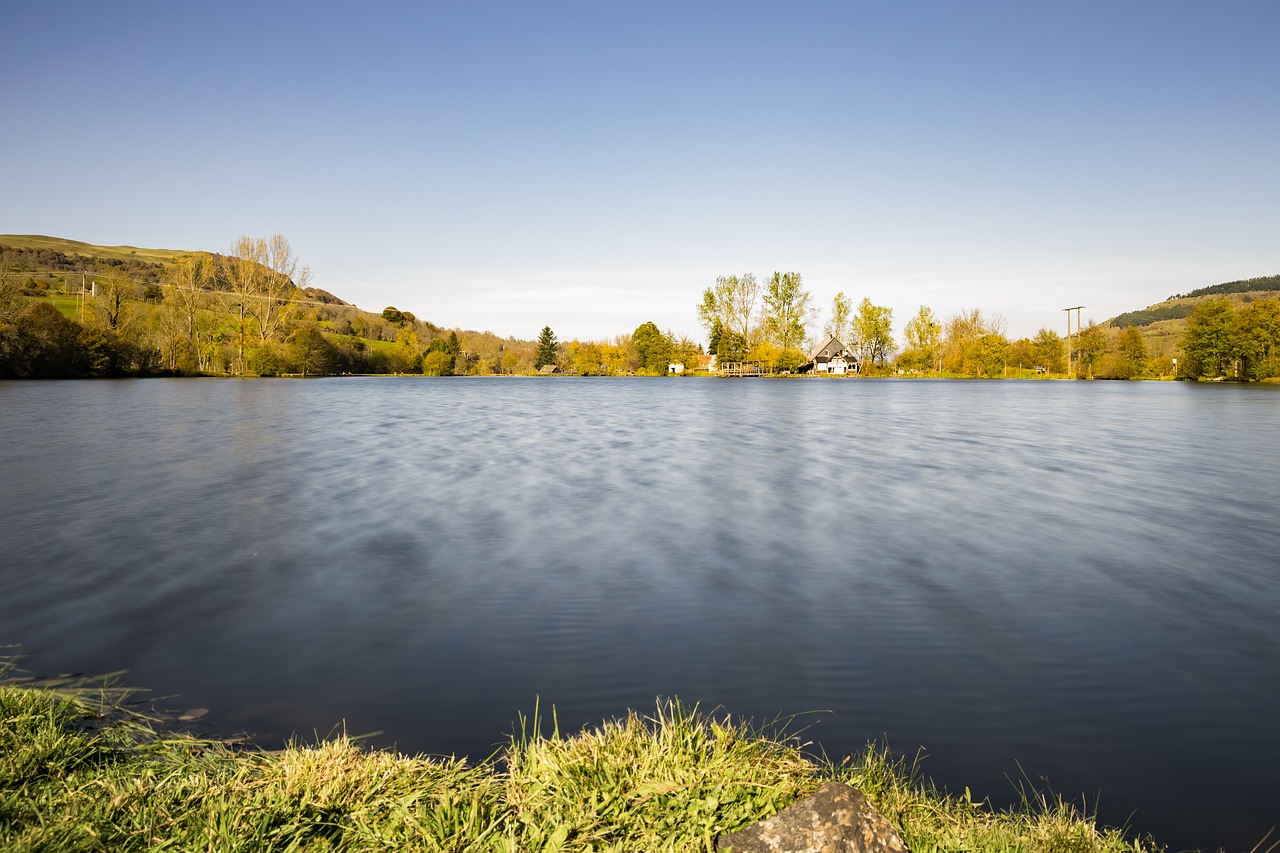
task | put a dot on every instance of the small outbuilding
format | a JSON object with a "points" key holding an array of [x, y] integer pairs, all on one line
{"points": [[548, 369]]}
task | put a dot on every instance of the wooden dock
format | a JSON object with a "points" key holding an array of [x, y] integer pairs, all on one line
{"points": [[741, 368]]}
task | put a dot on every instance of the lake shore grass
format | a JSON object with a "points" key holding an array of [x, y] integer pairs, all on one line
{"points": [[80, 770]]}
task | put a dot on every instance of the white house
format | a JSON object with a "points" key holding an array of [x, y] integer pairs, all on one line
{"points": [[833, 358]]}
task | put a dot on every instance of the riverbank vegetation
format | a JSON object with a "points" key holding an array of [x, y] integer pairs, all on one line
{"points": [[70, 309], [79, 772]]}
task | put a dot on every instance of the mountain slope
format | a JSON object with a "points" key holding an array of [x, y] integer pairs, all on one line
{"points": [[1179, 306]]}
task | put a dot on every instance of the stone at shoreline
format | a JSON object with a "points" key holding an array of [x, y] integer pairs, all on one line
{"points": [[837, 818]]}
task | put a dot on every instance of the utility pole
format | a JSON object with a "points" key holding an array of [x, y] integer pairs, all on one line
{"points": [[1075, 308]]}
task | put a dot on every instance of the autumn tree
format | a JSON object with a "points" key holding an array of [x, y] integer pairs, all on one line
{"points": [[310, 352], [406, 355], [442, 356], [192, 276], [613, 356], [964, 350], [731, 301], [1022, 354], [991, 354], [584, 358], [1257, 338], [13, 302], [840, 323], [281, 280], [245, 273], [112, 293], [1208, 341], [684, 350], [1049, 351], [1131, 354], [873, 333], [923, 335], [787, 311], [263, 276]]}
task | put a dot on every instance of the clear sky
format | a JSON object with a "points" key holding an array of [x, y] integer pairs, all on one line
{"points": [[591, 166]]}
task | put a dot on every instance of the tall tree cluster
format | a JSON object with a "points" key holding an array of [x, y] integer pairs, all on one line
{"points": [[726, 311], [1222, 340], [974, 344], [872, 333], [264, 279], [38, 342], [923, 335], [776, 333]]}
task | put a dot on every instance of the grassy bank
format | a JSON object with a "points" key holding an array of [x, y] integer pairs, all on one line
{"points": [[77, 772]]}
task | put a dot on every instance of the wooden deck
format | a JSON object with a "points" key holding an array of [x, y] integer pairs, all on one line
{"points": [[741, 368]]}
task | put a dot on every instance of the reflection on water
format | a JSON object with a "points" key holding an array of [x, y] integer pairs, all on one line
{"points": [[1074, 579]]}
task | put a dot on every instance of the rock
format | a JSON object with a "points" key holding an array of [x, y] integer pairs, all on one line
{"points": [[837, 818]]}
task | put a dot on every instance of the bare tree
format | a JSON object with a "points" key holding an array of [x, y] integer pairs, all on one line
{"points": [[246, 270], [271, 308], [188, 294], [112, 293]]}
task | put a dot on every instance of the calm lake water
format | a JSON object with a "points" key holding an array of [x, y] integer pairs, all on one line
{"points": [[1076, 581]]}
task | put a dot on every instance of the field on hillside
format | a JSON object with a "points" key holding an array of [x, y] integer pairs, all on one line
{"points": [[89, 250]]}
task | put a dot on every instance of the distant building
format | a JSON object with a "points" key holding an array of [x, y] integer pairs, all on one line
{"points": [[548, 369], [675, 367], [833, 358]]}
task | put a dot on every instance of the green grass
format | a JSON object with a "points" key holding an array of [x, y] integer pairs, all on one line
{"points": [[68, 305], [79, 773]]}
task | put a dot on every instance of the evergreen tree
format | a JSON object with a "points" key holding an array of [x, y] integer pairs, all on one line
{"points": [[717, 333], [546, 352], [653, 348]]}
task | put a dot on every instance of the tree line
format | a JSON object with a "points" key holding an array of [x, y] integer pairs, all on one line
{"points": [[252, 312], [1225, 341], [249, 311], [770, 324]]}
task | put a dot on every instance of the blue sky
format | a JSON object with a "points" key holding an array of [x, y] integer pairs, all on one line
{"points": [[593, 166]]}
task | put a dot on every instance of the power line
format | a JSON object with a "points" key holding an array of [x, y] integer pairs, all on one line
{"points": [[1075, 308]]}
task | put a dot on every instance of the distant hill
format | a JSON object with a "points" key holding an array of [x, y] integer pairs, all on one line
{"points": [[1179, 306], [1248, 285], [55, 247]]}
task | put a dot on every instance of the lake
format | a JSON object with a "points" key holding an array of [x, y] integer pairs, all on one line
{"points": [[1077, 582]]}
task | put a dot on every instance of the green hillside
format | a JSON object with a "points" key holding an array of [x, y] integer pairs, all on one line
{"points": [[69, 308], [89, 251], [1229, 330], [1180, 305]]}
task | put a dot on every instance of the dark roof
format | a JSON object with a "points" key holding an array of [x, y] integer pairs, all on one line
{"points": [[830, 347]]}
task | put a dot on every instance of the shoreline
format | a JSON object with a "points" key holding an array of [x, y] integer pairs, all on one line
{"points": [[86, 765]]}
